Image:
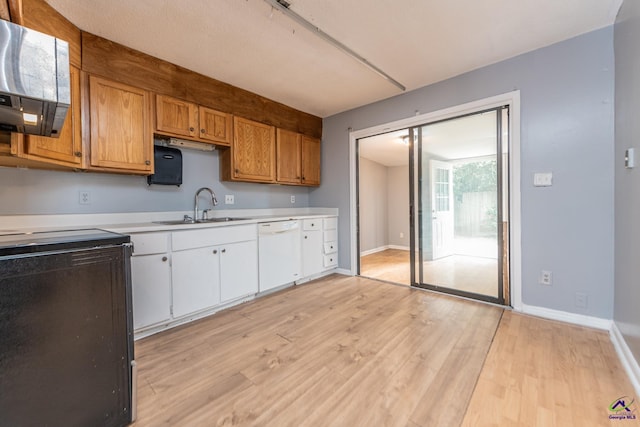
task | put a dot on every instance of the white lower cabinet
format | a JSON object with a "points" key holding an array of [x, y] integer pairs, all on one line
{"points": [[150, 279], [180, 273], [238, 270], [312, 256], [195, 274], [205, 275], [330, 246]]}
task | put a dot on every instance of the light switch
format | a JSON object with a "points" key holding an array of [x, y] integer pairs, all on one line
{"points": [[543, 179], [629, 158]]}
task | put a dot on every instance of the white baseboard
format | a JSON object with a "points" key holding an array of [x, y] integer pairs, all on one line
{"points": [[564, 316], [374, 250], [626, 357], [343, 271], [398, 247], [384, 248]]}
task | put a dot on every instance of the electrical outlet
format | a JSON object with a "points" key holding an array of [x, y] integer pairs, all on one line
{"points": [[229, 199], [401, 235], [545, 278], [84, 198], [581, 300], [293, 199]]}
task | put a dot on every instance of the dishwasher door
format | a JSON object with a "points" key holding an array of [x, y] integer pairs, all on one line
{"points": [[279, 258]]}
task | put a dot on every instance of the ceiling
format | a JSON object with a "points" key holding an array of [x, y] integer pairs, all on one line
{"points": [[463, 138], [251, 45]]}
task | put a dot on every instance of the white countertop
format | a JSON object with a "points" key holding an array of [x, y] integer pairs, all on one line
{"points": [[138, 222]]}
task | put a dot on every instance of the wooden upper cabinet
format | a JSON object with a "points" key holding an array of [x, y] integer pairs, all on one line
{"points": [[175, 117], [288, 155], [253, 152], [120, 127], [66, 150], [215, 126], [310, 161], [298, 158]]}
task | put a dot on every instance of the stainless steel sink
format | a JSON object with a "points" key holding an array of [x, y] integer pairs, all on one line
{"points": [[222, 219], [200, 221]]}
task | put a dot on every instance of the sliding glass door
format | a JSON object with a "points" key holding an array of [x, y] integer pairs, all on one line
{"points": [[459, 205]]}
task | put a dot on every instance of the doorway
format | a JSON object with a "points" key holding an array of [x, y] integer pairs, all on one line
{"points": [[460, 196], [458, 215]]}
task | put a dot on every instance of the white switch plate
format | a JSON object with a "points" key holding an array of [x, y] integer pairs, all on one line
{"points": [[293, 199], [543, 179], [629, 158], [229, 199]]}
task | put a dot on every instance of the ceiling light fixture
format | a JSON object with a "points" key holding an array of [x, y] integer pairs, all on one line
{"points": [[283, 6]]}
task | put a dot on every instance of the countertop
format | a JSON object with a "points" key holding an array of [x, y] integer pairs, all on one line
{"points": [[139, 222]]}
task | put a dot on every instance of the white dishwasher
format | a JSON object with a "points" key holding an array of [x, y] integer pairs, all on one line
{"points": [[279, 258]]}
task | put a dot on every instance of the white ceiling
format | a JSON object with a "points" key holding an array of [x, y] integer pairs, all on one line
{"points": [[457, 139], [418, 42]]}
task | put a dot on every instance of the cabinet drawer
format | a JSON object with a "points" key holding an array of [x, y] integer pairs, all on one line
{"points": [[331, 260], [150, 243], [330, 235], [331, 223], [191, 239], [330, 247], [311, 224]]}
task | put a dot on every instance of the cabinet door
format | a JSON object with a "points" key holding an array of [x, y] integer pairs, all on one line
{"points": [[253, 151], [176, 117], [121, 135], [151, 284], [67, 148], [310, 161], [238, 270], [312, 253], [215, 126], [288, 145], [196, 284]]}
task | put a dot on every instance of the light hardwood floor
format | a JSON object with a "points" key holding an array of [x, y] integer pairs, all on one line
{"points": [[467, 273], [348, 351]]}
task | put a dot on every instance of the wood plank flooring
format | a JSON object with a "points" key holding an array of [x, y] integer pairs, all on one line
{"points": [[348, 351], [546, 373], [343, 351], [467, 273]]}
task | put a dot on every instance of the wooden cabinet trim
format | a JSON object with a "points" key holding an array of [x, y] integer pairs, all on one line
{"points": [[115, 61]]}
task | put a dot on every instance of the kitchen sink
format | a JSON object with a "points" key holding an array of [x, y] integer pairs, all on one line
{"points": [[200, 221], [221, 219]]}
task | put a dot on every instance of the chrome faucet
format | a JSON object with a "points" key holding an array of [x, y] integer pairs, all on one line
{"points": [[214, 201]]}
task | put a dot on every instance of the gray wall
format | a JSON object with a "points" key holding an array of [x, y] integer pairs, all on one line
{"points": [[627, 196], [567, 127], [398, 205], [373, 205], [26, 191]]}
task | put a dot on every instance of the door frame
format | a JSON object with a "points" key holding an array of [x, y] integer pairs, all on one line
{"points": [[512, 99]]}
